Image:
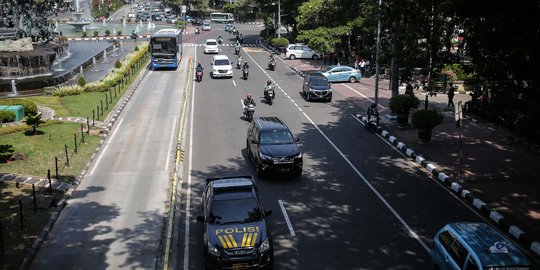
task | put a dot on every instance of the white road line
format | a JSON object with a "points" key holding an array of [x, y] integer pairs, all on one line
{"points": [[190, 163], [381, 198], [106, 146], [233, 82], [171, 142], [286, 218], [364, 96]]}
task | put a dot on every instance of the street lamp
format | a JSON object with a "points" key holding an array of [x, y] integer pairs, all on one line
{"points": [[279, 19], [378, 52]]}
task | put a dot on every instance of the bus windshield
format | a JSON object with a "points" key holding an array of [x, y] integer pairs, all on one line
{"points": [[163, 45]]}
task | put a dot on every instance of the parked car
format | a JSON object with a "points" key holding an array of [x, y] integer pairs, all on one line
{"points": [[301, 51], [211, 46], [316, 86], [341, 74]]}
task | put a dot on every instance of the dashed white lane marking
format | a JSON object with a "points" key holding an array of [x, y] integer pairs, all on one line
{"points": [[291, 230], [106, 146]]}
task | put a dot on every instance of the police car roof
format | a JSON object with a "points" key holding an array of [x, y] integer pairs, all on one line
{"points": [[480, 237], [231, 183]]}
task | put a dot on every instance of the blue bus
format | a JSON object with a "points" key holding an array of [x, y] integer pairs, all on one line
{"points": [[166, 48]]}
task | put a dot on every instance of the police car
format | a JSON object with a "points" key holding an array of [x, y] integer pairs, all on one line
{"points": [[235, 231]]}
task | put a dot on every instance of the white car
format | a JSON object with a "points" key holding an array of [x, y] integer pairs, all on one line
{"points": [[206, 27], [301, 51], [221, 67], [131, 15], [211, 46]]}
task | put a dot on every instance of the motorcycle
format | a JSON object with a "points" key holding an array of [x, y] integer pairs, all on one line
{"points": [[198, 75], [238, 63], [245, 72], [272, 65], [249, 110], [269, 95], [236, 50], [220, 40], [370, 122]]}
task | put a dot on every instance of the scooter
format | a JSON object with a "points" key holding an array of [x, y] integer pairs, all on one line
{"points": [[197, 31], [236, 50], [269, 95], [272, 65], [245, 72], [198, 75], [220, 40], [249, 111], [238, 63], [371, 122]]}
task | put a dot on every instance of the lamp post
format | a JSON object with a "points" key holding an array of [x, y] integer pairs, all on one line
{"points": [[378, 52], [279, 18]]}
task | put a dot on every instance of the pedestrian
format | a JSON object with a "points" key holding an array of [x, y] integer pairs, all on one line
{"points": [[451, 95], [362, 67], [409, 89]]}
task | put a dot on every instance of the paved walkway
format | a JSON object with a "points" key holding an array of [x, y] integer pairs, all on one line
{"points": [[499, 170]]}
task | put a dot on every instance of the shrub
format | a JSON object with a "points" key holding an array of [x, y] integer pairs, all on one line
{"points": [[119, 33], [136, 48], [402, 104], [30, 107], [426, 119], [107, 33], [117, 64], [6, 151], [181, 24], [280, 42], [70, 90], [34, 121], [81, 81], [7, 116], [63, 38], [96, 33], [84, 34], [129, 20]]}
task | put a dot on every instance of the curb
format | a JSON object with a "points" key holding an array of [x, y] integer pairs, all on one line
{"points": [[110, 120], [476, 203]]}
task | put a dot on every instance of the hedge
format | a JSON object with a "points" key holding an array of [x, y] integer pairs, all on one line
{"points": [[7, 116]]}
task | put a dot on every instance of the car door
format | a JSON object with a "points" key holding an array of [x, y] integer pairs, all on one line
{"points": [[305, 88], [251, 144], [306, 52]]}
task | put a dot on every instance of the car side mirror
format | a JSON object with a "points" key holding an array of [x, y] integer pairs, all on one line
{"points": [[296, 139], [268, 212], [201, 218]]}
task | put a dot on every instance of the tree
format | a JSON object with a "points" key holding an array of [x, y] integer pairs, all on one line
{"points": [[34, 121]]}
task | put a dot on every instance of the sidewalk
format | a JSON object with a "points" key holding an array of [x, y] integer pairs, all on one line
{"points": [[499, 171]]}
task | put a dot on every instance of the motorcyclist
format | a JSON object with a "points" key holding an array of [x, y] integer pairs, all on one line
{"points": [[372, 111], [237, 47], [267, 87], [241, 38], [245, 66], [197, 29], [271, 58], [248, 100], [220, 39], [239, 60], [199, 67]]}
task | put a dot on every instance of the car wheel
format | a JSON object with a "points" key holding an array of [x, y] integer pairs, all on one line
{"points": [[292, 57], [329, 99], [315, 57], [352, 79]]}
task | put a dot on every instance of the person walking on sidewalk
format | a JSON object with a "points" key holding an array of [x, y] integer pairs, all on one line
{"points": [[451, 95]]}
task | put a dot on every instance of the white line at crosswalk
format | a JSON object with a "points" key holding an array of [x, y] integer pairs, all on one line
{"points": [[224, 45]]}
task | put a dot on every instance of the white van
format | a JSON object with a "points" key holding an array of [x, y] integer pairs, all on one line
{"points": [[221, 67]]}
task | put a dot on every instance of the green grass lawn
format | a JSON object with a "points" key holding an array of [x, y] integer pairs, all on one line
{"points": [[40, 151]]}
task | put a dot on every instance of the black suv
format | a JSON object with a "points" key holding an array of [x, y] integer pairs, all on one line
{"points": [[235, 231], [272, 147], [316, 86]]}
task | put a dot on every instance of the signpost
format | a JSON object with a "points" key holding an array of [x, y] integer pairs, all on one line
{"points": [[458, 114]]}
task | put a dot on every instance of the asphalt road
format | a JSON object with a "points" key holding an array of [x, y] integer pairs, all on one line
{"points": [[359, 204], [114, 220]]}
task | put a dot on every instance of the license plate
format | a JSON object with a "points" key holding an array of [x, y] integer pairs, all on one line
{"points": [[283, 170], [239, 266]]}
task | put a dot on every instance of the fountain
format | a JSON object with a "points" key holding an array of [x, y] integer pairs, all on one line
{"points": [[13, 88], [114, 31], [94, 64], [124, 22], [140, 24], [104, 22], [78, 23], [137, 29], [104, 56], [122, 45], [81, 71]]}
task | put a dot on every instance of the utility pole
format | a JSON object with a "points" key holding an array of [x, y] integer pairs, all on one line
{"points": [[279, 18], [377, 56]]}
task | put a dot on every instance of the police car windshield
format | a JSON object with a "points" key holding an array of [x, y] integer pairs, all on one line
{"points": [[234, 211], [276, 136]]}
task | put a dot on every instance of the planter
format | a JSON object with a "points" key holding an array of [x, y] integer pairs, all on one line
{"points": [[402, 120], [424, 136]]}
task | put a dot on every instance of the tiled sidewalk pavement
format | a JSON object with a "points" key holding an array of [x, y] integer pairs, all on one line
{"points": [[497, 169]]}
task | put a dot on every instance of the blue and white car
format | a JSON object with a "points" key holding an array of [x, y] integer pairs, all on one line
{"points": [[341, 74]]}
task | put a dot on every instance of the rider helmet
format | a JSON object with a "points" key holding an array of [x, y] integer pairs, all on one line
{"points": [[248, 96]]}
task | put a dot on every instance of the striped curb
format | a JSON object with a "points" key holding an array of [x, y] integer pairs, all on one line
{"points": [[456, 188]]}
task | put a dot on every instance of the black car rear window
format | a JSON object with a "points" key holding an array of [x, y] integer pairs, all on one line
{"points": [[234, 211]]}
